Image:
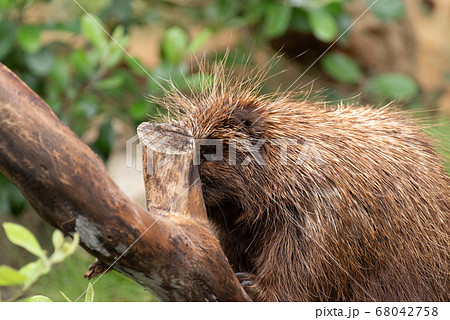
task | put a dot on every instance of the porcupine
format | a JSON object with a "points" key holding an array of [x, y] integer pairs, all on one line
{"points": [[357, 210]]}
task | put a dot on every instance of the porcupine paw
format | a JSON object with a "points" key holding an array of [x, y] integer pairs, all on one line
{"points": [[249, 283]]}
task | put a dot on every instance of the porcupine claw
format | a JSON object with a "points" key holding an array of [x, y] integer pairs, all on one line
{"points": [[248, 283]]}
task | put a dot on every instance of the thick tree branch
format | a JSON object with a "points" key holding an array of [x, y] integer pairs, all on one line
{"points": [[174, 256]]}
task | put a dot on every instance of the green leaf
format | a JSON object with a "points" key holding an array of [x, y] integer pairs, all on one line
{"points": [[120, 36], [22, 237], [139, 110], [115, 53], [70, 247], [91, 28], [388, 10], [11, 277], [299, 20], [341, 68], [29, 38], [94, 57], [113, 82], [393, 86], [89, 293], [57, 239], [174, 45], [66, 250], [81, 63], [323, 25], [34, 269], [276, 22], [40, 63], [38, 299], [8, 32], [58, 256], [113, 57], [200, 39], [135, 65]]}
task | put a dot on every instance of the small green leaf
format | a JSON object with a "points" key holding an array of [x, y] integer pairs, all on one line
{"points": [[323, 25], [22, 237], [65, 297], [89, 293], [94, 57], [33, 269], [57, 239], [174, 45], [66, 250], [341, 68], [110, 83], [299, 20], [114, 54], [139, 110], [40, 63], [113, 57], [388, 10], [38, 299], [11, 277], [394, 86], [278, 17], [57, 256], [79, 59], [135, 65], [70, 247], [120, 36], [91, 28], [200, 39], [29, 38]]}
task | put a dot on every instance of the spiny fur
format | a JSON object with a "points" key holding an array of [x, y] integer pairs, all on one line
{"points": [[363, 217]]}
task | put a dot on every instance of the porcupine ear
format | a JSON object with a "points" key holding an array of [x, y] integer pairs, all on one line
{"points": [[249, 121]]}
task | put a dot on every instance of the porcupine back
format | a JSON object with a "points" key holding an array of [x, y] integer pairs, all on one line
{"points": [[358, 210]]}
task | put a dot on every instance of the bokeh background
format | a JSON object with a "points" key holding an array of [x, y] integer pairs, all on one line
{"points": [[359, 51]]}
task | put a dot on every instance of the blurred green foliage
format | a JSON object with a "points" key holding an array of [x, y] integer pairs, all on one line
{"points": [[32, 279], [68, 278], [27, 275]]}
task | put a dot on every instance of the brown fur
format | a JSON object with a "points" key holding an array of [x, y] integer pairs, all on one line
{"points": [[364, 216]]}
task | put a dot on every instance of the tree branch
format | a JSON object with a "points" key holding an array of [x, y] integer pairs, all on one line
{"points": [[174, 256]]}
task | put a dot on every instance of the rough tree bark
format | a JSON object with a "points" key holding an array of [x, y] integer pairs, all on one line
{"points": [[169, 250]]}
